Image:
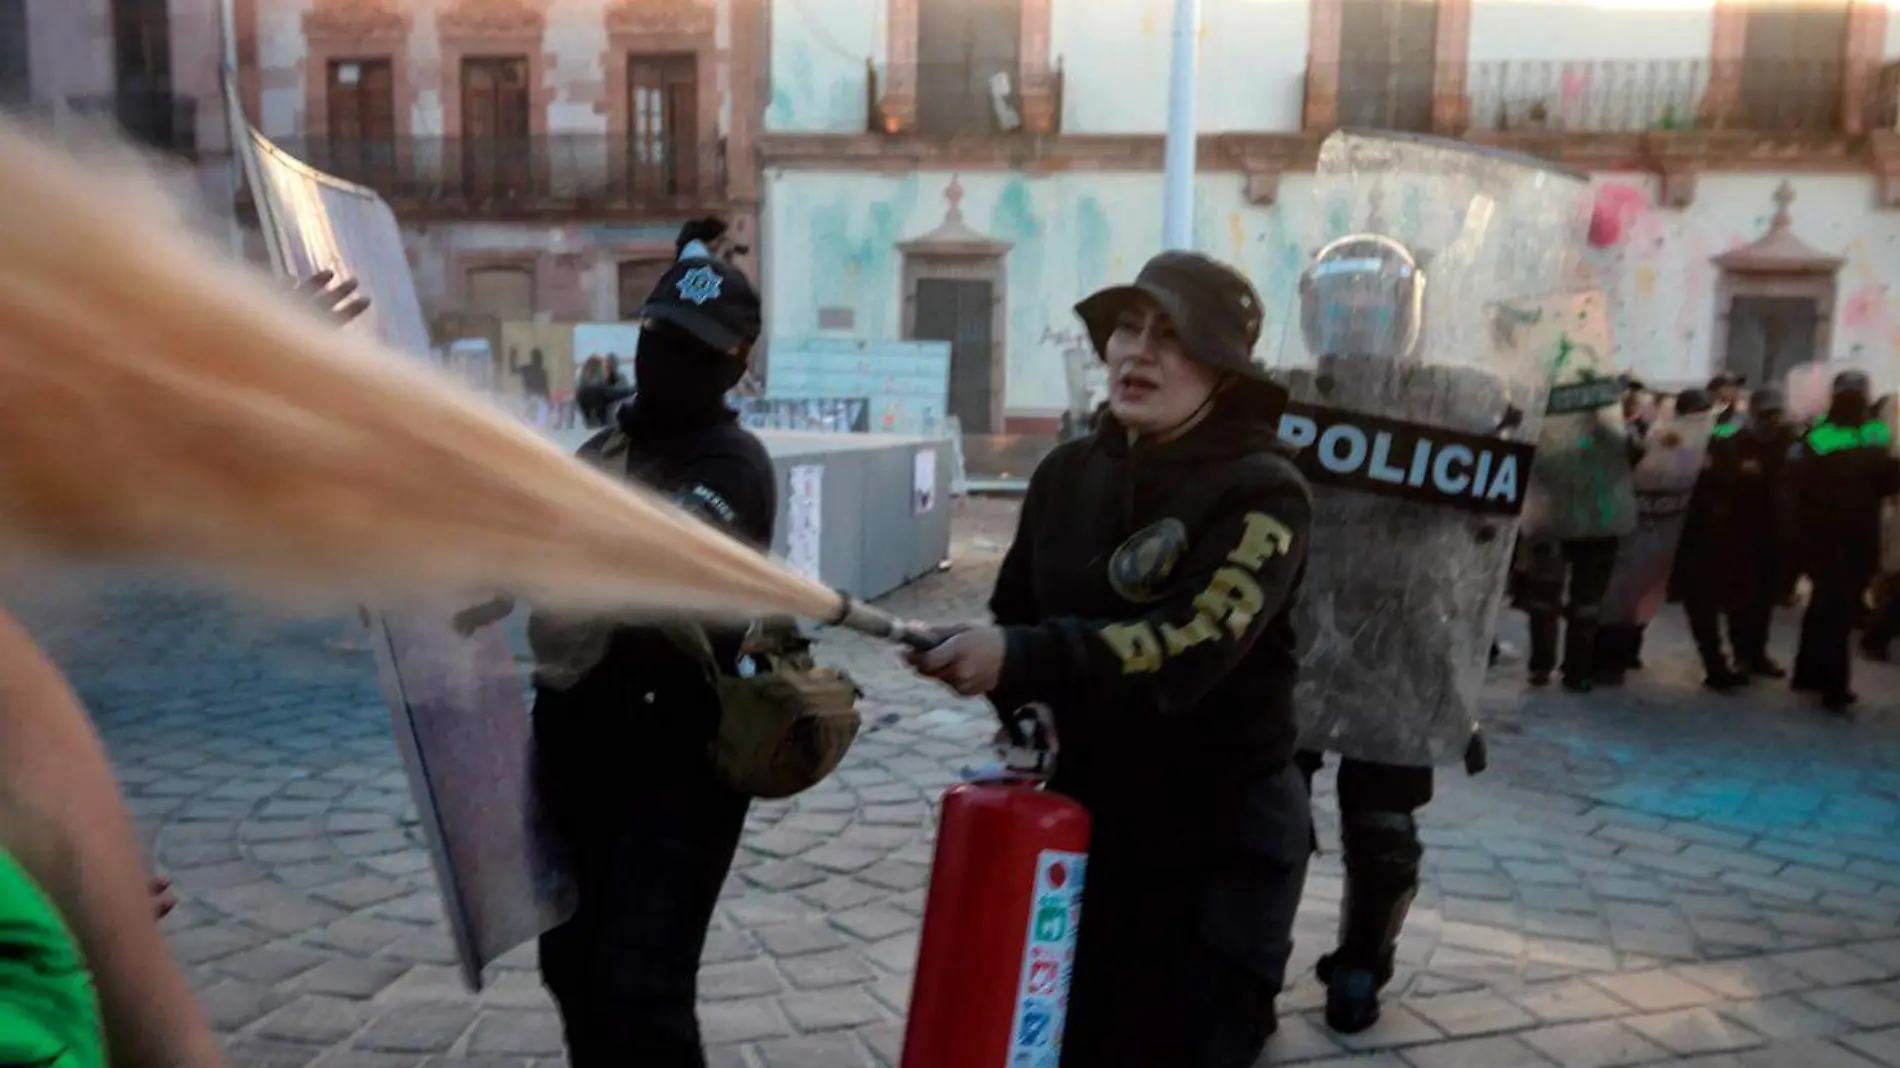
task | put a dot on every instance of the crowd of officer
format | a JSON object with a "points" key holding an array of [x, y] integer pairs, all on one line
{"points": [[1779, 499]]}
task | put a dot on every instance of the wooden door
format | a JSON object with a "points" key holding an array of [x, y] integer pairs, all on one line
{"points": [[361, 99], [962, 46], [142, 67], [963, 312], [1770, 336], [1387, 63], [1793, 66], [663, 127], [496, 149]]}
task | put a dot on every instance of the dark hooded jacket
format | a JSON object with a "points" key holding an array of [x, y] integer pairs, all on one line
{"points": [[1146, 601]]}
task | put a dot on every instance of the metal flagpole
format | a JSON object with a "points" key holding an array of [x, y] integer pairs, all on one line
{"points": [[1177, 227]]}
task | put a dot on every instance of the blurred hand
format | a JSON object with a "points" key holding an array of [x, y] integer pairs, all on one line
{"points": [[969, 662], [331, 299], [163, 901]]}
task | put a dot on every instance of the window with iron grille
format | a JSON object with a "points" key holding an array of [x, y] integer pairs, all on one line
{"points": [[663, 124], [360, 96], [968, 63], [1794, 61], [1387, 63]]}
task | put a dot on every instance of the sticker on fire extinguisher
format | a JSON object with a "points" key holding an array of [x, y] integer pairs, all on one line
{"points": [[1042, 996]]}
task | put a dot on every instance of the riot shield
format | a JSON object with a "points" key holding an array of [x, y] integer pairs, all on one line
{"points": [[1580, 486], [1411, 414], [1663, 480]]}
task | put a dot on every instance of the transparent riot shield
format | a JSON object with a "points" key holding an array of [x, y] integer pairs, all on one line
{"points": [[1414, 398], [1580, 486], [1662, 480]]}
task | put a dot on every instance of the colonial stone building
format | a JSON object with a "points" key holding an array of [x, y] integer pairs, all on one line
{"points": [[540, 153], [148, 67], [967, 169]]}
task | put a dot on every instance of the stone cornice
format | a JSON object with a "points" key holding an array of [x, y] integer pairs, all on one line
{"points": [[1676, 156]]}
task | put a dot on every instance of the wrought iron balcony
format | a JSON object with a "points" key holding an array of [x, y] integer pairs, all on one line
{"points": [[1769, 95], [163, 121], [556, 174], [964, 98]]}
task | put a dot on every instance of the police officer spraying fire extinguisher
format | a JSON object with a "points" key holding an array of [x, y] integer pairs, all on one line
{"points": [[1145, 602]]}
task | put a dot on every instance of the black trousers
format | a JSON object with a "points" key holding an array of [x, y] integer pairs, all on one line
{"points": [[1381, 853], [1706, 614], [1825, 660], [1619, 648], [1576, 598], [1180, 957], [624, 971]]}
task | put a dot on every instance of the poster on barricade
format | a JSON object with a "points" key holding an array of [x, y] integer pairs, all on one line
{"points": [[457, 703]]}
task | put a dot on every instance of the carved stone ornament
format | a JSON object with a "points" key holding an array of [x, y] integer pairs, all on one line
{"points": [[491, 18], [634, 17], [355, 19]]}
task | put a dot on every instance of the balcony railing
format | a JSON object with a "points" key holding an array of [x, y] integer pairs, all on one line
{"points": [[556, 173], [1769, 95], [163, 121], [973, 97]]}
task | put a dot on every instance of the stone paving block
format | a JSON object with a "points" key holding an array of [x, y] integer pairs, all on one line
{"points": [[348, 977], [1813, 1053], [1485, 887], [417, 1029], [360, 892], [1732, 860], [201, 944], [362, 1058], [814, 1051], [271, 964], [874, 922], [230, 1005], [1769, 886], [254, 1053], [1397, 1026], [1477, 1013], [796, 939], [750, 908], [1862, 1006], [745, 979], [895, 954], [843, 859], [1693, 1031], [1582, 956], [1603, 1044], [316, 1020], [426, 983], [1375, 1060], [829, 1010], [893, 991], [414, 908], [750, 1020], [1784, 1018], [1654, 991], [530, 1034], [1497, 1052], [784, 875], [895, 875], [823, 971], [1830, 967], [1745, 979], [726, 946]]}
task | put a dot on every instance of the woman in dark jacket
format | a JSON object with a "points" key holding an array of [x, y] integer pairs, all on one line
{"points": [[1144, 602]]}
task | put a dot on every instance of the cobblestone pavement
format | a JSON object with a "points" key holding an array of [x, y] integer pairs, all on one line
{"points": [[1650, 875]]}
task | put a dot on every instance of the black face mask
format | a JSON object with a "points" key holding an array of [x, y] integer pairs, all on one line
{"points": [[681, 379]]}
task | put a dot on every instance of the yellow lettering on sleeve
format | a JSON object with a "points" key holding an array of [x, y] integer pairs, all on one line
{"points": [[1181, 639], [1136, 645], [1234, 597], [1264, 538]]}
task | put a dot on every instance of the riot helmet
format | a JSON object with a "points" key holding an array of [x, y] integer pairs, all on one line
{"points": [[1853, 382], [1364, 296]]}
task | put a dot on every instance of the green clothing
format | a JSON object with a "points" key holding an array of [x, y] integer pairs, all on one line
{"points": [[1829, 437], [49, 1012]]}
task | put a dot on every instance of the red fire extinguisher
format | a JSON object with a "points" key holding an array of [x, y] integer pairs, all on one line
{"points": [[998, 946]]}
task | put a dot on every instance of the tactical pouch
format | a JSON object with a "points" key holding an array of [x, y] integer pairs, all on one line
{"points": [[785, 727]]}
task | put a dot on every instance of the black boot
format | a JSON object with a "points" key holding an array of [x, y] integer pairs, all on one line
{"points": [[1382, 852]]}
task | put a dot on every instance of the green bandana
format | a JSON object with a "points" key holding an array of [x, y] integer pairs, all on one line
{"points": [[49, 1013]]}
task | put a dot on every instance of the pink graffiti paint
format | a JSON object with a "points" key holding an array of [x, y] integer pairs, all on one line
{"points": [[1619, 208], [1866, 308]]}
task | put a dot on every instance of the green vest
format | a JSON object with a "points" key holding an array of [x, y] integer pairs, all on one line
{"points": [[1829, 437], [49, 1012]]}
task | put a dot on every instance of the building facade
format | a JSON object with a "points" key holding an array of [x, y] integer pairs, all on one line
{"points": [[148, 67], [541, 154], [967, 169]]}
